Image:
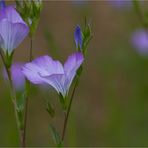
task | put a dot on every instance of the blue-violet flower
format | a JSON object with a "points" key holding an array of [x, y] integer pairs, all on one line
{"points": [[18, 78], [121, 3], [46, 70], [139, 41], [13, 29]]}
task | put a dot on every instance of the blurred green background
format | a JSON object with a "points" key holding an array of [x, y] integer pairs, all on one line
{"points": [[110, 107]]}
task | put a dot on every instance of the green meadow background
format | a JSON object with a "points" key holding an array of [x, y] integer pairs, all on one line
{"points": [[110, 107]]}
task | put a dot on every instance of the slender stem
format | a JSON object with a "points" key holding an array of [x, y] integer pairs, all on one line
{"points": [[66, 114], [13, 96], [14, 100], [26, 101], [31, 52], [25, 122]]}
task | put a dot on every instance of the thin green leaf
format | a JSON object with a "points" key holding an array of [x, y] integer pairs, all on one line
{"points": [[55, 135]]}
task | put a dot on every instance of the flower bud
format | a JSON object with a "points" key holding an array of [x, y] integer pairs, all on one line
{"points": [[82, 37], [30, 11]]}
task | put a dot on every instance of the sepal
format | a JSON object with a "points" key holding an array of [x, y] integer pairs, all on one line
{"points": [[50, 109], [63, 101]]}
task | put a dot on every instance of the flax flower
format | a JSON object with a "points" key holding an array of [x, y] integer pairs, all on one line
{"points": [[13, 29], [46, 70]]}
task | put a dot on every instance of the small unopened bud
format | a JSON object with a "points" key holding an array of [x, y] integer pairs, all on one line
{"points": [[82, 37]]}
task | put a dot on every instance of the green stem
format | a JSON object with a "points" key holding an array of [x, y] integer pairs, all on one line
{"points": [[66, 114], [13, 97], [31, 52], [25, 122], [26, 101]]}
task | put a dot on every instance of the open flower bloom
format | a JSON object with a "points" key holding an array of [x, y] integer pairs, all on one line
{"points": [[18, 78], [13, 29], [46, 70], [139, 41], [78, 37]]}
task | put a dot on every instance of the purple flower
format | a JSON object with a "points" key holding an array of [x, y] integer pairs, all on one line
{"points": [[80, 3], [139, 40], [13, 29], [78, 37], [17, 76], [46, 70], [2, 4], [120, 3]]}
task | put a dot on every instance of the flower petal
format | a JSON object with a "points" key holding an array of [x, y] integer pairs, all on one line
{"points": [[32, 74], [11, 15], [57, 82], [41, 67], [12, 34], [48, 65], [17, 76], [70, 67]]}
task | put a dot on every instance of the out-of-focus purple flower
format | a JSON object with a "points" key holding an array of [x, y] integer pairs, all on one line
{"points": [[46, 70], [139, 40], [13, 29], [2, 4], [80, 3], [121, 3], [17, 76], [78, 37]]}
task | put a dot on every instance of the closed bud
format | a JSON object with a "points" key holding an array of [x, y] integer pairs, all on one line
{"points": [[82, 37]]}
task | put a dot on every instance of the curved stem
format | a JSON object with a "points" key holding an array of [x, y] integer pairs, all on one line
{"points": [[68, 110], [13, 97]]}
